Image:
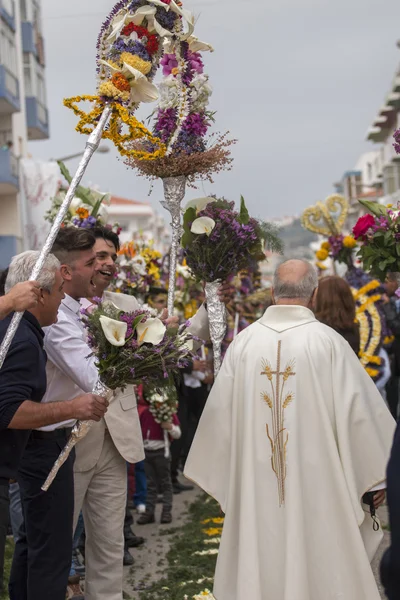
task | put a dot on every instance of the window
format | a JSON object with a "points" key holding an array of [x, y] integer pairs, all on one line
{"points": [[24, 10], [8, 54], [391, 179], [28, 76], [41, 88]]}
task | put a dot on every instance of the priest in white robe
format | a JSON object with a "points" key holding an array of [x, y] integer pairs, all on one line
{"points": [[293, 435]]}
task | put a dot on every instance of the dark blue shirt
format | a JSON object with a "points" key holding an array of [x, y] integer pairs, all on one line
{"points": [[22, 377], [390, 567]]}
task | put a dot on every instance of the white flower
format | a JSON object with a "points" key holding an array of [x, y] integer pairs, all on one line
{"points": [[169, 92], [196, 45], [151, 331], [199, 203], [115, 331], [188, 346], [123, 302], [141, 88], [203, 225], [78, 203], [138, 264], [200, 92], [184, 271], [122, 261]]}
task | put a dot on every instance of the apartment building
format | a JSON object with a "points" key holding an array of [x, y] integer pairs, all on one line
{"points": [[23, 111]]}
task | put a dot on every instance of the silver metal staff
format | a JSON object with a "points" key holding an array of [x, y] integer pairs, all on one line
{"points": [[174, 192], [91, 147]]}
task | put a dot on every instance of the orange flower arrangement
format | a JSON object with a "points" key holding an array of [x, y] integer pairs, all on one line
{"points": [[82, 213], [121, 82]]}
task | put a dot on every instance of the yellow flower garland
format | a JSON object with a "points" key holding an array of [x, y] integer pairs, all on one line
{"points": [[120, 115]]}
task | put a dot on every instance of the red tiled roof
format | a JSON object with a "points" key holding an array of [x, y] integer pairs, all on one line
{"points": [[371, 194], [116, 200]]}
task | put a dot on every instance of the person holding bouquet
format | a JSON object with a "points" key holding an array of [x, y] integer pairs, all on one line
{"points": [[156, 439]]}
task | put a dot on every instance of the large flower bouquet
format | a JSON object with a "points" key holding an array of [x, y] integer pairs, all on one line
{"points": [[378, 233], [134, 347], [139, 268], [219, 242]]}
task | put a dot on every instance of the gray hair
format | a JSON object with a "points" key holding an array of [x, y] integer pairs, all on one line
{"points": [[21, 267], [293, 285]]}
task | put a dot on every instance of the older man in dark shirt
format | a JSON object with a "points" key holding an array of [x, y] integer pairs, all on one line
{"points": [[23, 378]]}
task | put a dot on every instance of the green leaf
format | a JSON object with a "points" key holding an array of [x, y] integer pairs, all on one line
{"points": [[244, 213], [374, 208], [83, 193], [388, 237], [382, 265]]}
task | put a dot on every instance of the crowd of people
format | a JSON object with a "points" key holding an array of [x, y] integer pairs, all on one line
{"points": [[324, 457]]}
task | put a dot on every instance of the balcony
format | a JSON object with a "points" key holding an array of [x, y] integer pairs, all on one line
{"points": [[9, 92], [38, 119], [7, 12], [9, 180]]}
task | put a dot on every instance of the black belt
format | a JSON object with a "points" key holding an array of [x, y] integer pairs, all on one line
{"points": [[56, 434]]}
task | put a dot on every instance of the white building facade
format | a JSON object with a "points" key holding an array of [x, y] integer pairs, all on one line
{"points": [[139, 219], [23, 112], [386, 165]]}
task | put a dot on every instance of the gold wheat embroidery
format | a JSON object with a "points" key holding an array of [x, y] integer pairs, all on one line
{"points": [[278, 400]]}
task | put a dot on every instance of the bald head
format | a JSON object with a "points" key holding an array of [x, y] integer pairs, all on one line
{"points": [[295, 282]]}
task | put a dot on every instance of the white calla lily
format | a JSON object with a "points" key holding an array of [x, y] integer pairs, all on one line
{"points": [[203, 225], [196, 45], [199, 203], [115, 331], [149, 13], [141, 88], [78, 203], [188, 345], [122, 301], [151, 331], [184, 271]]}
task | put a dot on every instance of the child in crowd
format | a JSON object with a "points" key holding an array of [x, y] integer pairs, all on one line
{"points": [[158, 465]]}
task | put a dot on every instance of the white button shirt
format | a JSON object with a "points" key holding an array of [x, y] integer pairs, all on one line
{"points": [[70, 371]]}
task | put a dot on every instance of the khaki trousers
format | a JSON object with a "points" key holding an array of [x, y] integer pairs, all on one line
{"points": [[101, 494]]}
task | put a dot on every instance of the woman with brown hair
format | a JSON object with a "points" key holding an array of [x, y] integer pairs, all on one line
{"points": [[336, 308]]}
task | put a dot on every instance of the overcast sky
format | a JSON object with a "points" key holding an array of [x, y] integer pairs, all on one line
{"points": [[297, 82]]}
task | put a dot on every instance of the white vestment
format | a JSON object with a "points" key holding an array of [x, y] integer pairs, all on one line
{"points": [[293, 434]]}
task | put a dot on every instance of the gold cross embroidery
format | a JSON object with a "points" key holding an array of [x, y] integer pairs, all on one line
{"points": [[278, 401]]}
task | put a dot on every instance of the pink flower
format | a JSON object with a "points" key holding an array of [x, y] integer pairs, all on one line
{"points": [[196, 64], [168, 62], [363, 225]]}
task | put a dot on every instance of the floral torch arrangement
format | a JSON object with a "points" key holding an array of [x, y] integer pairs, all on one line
{"points": [[183, 119], [163, 405], [87, 208], [338, 247], [139, 268], [129, 49], [378, 234], [219, 242], [129, 348]]}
